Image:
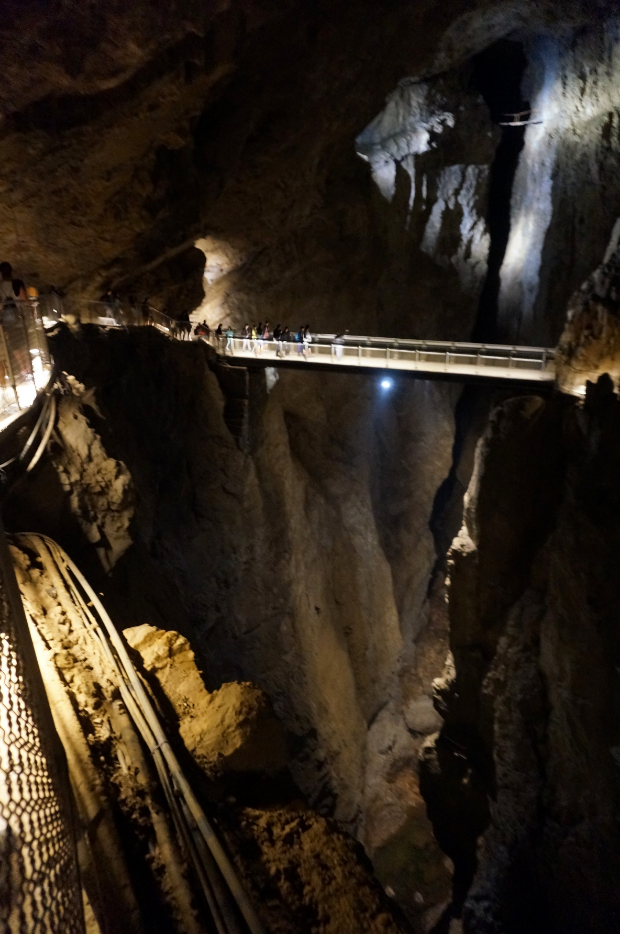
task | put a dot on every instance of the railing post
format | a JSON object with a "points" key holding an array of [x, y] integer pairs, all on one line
{"points": [[359, 354], [387, 357], [543, 361]]}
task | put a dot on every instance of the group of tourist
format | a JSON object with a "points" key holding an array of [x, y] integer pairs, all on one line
{"points": [[254, 338]]}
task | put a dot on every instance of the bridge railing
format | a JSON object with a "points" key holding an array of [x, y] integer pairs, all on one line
{"points": [[105, 314], [350, 349], [438, 356], [25, 364]]}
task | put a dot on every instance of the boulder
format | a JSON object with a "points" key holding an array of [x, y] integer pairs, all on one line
{"points": [[232, 729]]}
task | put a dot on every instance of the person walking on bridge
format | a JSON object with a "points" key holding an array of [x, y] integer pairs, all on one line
{"points": [[108, 299], [307, 341], [11, 290], [185, 326], [339, 340], [260, 338], [230, 334], [285, 341], [245, 334]]}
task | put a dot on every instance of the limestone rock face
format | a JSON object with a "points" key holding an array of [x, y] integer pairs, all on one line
{"points": [[130, 134], [101, 495], [590, 342], [566, 194], [530, 705], [308, 874], [429, 153], [298, 554], [231, 729]]}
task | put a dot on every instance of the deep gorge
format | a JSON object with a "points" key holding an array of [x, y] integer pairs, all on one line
{"points": [[421, 583]]}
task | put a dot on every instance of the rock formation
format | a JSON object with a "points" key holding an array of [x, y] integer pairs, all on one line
{"points": [[526, 756], [285, 603], [232, 729], [341, 166], [590, 342]]}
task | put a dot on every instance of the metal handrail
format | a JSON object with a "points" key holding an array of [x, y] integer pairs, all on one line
{"points": [[405, 342], [438, 356], [25, 364], [451, 354]]}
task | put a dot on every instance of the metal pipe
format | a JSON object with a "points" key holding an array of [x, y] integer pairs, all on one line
{"points": [[50, 425]]}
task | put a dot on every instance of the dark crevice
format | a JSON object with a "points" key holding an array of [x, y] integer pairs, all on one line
{"points": [[470, 418], [497, 76]]}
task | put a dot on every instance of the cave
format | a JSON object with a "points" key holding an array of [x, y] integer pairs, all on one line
{"points": [[316, 631]]}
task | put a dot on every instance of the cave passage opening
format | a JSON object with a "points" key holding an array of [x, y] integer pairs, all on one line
{"points": [[497, 75]]}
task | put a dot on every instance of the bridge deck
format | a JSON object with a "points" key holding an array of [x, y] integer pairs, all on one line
{"points": [[427, 359], [422, 358]]}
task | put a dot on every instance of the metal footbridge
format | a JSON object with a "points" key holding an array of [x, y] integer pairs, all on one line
{"points": [[424, 359]]}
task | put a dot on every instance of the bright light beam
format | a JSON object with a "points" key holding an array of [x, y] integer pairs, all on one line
{"points": [[387, 383]]}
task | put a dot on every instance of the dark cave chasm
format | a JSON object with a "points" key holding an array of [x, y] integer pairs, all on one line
{"points": [[497, 74]]}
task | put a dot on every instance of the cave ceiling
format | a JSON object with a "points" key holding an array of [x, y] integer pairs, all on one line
{"points": [[129, 130]]}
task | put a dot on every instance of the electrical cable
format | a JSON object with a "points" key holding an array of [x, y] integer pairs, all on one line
{"points": [[33, 434], [50, 425]]}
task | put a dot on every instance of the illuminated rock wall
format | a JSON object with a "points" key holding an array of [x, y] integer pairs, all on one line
{"points": [[566, 196]]}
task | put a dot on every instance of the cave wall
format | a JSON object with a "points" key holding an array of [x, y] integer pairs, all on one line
{"points": [[301, 564], [134, 133], [566, 195], [530, 697], [304, 557]]}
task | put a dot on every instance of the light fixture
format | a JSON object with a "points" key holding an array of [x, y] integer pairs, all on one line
{"points": [[386, 383]]}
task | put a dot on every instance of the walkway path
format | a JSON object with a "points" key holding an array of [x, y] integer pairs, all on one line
{"points": [[428, 359], [424, 359]]}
